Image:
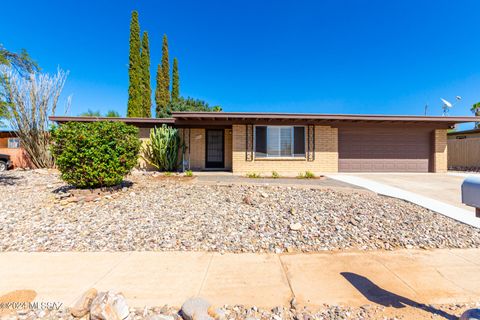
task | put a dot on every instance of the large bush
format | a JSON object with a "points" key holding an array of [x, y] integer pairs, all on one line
{"points": [[161, 151], [95, 154]]}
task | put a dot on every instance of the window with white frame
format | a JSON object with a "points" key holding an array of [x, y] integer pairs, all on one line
{"points": [[13, 143], [279, 141]]}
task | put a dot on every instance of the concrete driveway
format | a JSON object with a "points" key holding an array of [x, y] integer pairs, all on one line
{"points": [[442, 187], [435, 191]]}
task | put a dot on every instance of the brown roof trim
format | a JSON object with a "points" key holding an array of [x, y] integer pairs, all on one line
{"points": [[185, 119], [309, 116], [62, 119]]}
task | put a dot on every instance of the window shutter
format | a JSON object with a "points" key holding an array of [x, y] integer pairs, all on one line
{"points": [[299, 141], [260, 141]]}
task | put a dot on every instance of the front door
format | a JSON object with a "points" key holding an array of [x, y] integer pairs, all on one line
{"points": [[214, 149]]}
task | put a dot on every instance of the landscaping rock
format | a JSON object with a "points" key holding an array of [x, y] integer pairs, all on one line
{"points": [[198, 217], [82, 306], [109, 306], [296, 226], [248, 200], [196, 309]]}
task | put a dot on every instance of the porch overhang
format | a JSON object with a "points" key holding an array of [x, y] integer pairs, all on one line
{"points": [[230, 118]]}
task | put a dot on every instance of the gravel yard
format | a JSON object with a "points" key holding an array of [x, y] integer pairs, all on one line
{"points": [[159, 214]]}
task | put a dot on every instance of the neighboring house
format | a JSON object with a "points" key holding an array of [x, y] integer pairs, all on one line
{"points": [[10, 144], [473, 133], [464, 150], [293, 143]]}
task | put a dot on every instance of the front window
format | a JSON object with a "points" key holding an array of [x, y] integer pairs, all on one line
{"points": [[279, 141], [13, 143]]}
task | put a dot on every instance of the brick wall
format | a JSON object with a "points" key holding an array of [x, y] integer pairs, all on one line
{"points": [[18, 157], [326, 155], [197, 149], [228, 149], [440, 155]]}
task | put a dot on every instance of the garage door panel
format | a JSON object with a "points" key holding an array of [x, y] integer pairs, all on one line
{"points": [[371, 149]]}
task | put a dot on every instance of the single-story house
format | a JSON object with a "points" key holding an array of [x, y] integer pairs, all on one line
{"points": [[244, 142], [10, 144]]}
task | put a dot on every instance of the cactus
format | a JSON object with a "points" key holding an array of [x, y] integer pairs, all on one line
{"points": [[161, 151]]}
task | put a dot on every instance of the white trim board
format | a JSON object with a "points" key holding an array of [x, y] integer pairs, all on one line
{"points": [[456, 213]]}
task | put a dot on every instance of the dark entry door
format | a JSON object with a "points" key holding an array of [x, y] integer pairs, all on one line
{"points": [[214, 149]]}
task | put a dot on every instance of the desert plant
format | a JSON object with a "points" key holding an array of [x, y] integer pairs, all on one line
{"points": [[167, 174], [95, 154], [161, 151], [188, 173], [29, 100], [275, 175], [306, 175], [253, 175]]}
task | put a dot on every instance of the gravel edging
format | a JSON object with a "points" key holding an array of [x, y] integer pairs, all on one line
{"points": [[241, 312]]}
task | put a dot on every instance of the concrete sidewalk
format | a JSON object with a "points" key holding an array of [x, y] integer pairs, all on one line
{"points": [[264, 280]]}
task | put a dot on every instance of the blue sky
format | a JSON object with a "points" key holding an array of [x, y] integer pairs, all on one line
{"points": [[336, 56]]}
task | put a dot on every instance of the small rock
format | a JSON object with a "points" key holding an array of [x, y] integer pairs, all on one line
{"points": [[264, 194], [296, 226], [195, 309], [82, 306], [109, 306], [293, 303], [248, 200], [217, 314]]}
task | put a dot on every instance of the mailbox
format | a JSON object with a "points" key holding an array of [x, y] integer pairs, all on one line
{"points": [[471, 193]]}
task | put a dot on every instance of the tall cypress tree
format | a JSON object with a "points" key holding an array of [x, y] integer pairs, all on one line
{"points": [[175, 81], [134, 70], [163, 81], [146, 89], [158, 89]]}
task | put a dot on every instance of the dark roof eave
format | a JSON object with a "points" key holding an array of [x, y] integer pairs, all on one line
{"points": [[185, 115], [62, 119]]}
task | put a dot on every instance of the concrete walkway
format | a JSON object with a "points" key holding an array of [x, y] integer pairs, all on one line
{"points": [[438, 192], [264, 280]]}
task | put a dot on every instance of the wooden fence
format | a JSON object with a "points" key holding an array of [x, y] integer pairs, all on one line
{"points": [[464, 153]]}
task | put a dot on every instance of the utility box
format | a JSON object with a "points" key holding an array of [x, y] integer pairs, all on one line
{"points": [[471, 193]]}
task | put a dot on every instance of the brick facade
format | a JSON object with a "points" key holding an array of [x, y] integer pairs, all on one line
{"points": [[325, 160], [440, 156]]}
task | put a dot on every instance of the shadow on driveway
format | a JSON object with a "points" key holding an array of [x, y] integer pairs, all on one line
{"points": [[386, 298]]}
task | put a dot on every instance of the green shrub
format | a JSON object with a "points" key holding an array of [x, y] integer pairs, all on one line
{"points": [[95, 154], [161, 151], [253, 175], [167, 174], [306, 175], [275, 175], [188, 173]]}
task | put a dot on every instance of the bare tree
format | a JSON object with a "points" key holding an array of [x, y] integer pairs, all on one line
{"points": [[30, 101]]}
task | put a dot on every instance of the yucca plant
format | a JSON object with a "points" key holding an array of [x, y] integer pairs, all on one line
{"points": [[161, 151]]}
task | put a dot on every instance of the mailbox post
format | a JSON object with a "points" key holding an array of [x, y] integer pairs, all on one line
{"points": [[471, 193]]}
